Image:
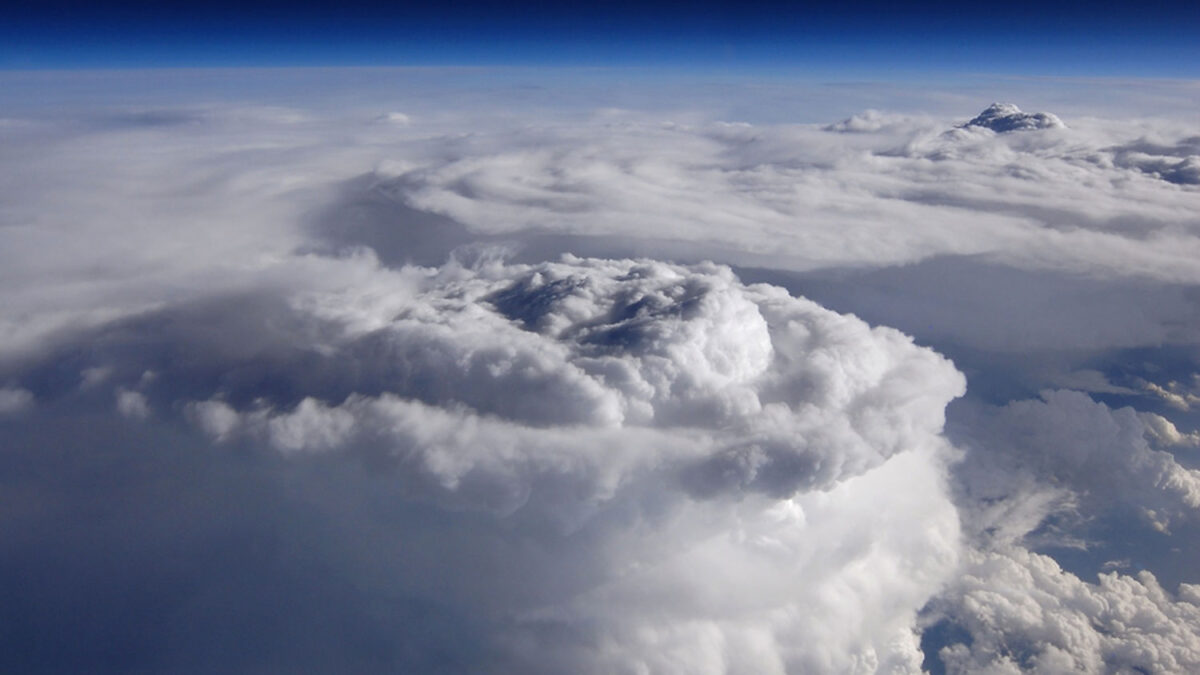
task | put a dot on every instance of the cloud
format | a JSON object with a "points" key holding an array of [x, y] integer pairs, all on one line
{"points": [[1006, 117], [1176, 394], [801, 198], [1177, 162], [306, 384], [871, 121], [14, 400], [1067, 443], [1023, 613], [217, 419], [771, 393], [1163, 432], [397, 118], [790, 197], [132, 404], [666, 423], [965, 301]]}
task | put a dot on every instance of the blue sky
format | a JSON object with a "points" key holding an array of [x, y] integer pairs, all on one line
{"points": [[1156, 38]]}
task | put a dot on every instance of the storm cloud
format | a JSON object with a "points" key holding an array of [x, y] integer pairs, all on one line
{"points": [[394, 384]]}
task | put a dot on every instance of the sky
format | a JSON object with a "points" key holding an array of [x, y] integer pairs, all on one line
{"points": [[622, 339], [1148, 39]]}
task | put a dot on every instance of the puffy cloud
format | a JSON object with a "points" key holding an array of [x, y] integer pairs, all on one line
{"points": [[1067, 443], [783, 602], [743, 388], [214, 417], [631, 429], [780, 196], [596, 464], [1023, 613], [1176, 394], [1006, 117], [1164, 432]]}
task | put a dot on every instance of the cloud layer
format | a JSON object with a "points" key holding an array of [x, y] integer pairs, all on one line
{"points": [[386, 383], [895, 192]]}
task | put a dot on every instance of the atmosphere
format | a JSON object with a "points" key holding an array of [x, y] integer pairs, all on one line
{"points": [[624, 339], [1151, 38]]}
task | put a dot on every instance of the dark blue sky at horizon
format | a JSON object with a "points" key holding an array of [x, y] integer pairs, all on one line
{"points": [[1156, 38]]}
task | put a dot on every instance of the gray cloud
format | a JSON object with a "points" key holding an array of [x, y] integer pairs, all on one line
{"points": [[14, 400]]}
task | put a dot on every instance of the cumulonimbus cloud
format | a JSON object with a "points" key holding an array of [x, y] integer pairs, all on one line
{"points": [[670, 422], [748, 387], [597, 463]]}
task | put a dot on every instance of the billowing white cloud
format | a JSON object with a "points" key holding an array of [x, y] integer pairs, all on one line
{"points": [[237, 184], [676, 425], [1006, 117], [1178, 395], [1092, 457], [1023, 613], [1164, 432], [766, 391], [609, 462]]}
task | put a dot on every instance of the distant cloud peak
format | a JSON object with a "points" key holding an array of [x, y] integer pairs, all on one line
{"points": [[1004, 117]]}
